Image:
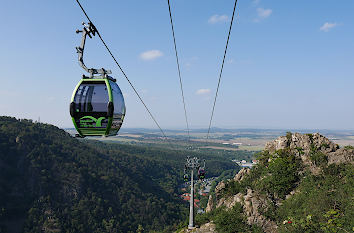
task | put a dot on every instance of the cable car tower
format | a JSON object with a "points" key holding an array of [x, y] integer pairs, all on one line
{"points": [[193, 164]]}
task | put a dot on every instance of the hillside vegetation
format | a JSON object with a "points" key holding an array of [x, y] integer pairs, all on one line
{"points": [[303, 183], [51, 182]]}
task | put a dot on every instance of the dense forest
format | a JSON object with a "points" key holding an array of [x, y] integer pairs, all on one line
{"points": [[52, 182]]}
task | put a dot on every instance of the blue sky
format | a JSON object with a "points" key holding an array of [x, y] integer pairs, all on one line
{"points": [[290, 64]]}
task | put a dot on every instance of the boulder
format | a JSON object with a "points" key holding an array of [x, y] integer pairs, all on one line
{"points": [[241, 174], [210, 205], [342, 155]]}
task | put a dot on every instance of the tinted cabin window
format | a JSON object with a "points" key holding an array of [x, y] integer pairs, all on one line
{"points": [[91, 97], [119, 108], [118, 100]]}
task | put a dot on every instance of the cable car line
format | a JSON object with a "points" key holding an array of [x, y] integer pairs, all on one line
{"points": [[221, 70], [178, 67], [126, 77]]}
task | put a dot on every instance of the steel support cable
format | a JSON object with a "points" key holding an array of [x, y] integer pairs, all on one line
{"points": [[221, 70], [126, 77], [178, 67]]}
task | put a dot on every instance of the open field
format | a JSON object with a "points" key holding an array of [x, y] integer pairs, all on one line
{"points": [[220, 140]]}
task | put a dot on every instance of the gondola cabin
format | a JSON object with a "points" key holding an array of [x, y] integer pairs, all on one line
{"points": [[186, 178], [97, 107], [201, 174]]}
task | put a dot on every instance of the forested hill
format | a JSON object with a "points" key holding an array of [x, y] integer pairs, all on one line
{"points": [[52, 182]]}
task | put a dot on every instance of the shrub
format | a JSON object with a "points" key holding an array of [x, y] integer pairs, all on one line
{"points": [[282, 175], [310, 136], [230, 221], [319, 158], [300, 150], [289, 136], [324, 203], [233, 187], [349, 147]]}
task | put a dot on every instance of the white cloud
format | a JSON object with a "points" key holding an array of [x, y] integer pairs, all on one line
{"points": [[264, 13], [188, 65], [7, 94], [218, 19], [151, 55], [328, 26], [190, 62], [256, 2], [203, 92]]}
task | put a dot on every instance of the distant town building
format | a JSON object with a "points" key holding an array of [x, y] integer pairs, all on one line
{"points": [[244, 163], [200, 211]]}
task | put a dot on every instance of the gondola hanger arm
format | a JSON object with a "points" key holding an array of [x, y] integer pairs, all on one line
{"points": [[88, 30]]}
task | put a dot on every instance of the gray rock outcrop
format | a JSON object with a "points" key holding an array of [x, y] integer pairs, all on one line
{"points": [[241, 174], [303, 144], [210, 205], [205, 228], [342, 155]]}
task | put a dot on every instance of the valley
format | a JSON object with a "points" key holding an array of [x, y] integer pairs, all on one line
{"points": [[53, 182]]}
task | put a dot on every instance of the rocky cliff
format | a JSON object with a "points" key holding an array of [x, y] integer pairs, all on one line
{"points": [[251, 202], [304, 144], [287, 168]]}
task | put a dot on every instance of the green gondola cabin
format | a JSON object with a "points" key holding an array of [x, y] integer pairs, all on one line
{"points": [[97, 107]]}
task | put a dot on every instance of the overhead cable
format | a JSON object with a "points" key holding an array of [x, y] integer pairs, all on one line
{"points": [[126, 77], [178, 67], [221, 70]]}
